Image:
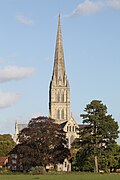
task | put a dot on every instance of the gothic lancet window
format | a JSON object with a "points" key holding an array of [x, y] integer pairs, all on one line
{"points": [[58, 97], [71, 139], [58, 114], [62, 97], [62, 114]]}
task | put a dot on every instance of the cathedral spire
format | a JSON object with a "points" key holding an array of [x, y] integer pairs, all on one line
{"points": [[59, 92], [59, 65]]}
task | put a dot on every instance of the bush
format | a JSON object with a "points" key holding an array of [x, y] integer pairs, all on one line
{"points": [[37, 170]]}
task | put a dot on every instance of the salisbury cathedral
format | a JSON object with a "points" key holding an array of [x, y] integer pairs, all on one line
{"points": [[59, 95]]}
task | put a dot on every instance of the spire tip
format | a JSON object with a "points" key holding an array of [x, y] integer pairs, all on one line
{"points": [[59, 17]]}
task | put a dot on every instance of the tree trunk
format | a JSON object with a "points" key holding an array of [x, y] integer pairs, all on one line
{"points": [[96, 165]]}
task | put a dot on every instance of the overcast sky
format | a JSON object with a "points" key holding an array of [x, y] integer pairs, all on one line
{"points": [[91, 42]]}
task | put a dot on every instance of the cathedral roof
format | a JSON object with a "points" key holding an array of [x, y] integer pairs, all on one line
{"points": [[62, 125], [81, 126]]}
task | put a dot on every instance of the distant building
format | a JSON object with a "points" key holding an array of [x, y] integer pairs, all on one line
{"points": [[59, 99], [59, 94], [18, 128]]}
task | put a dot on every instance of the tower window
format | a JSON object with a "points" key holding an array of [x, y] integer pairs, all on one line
{"points": [[62, 115], [71, 139], [58, 97], [58, 114], [62, 98]]}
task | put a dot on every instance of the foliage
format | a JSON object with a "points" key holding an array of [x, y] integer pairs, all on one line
{"points": [[37, 170], [110, 159], [97, 138], [82, 161], [43, 142], [6, 144]]}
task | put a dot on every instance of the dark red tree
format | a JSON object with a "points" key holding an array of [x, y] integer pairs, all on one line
{"points": [[42, 143]]}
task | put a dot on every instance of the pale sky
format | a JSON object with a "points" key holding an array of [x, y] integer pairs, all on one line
{"points": [[91, 42]]}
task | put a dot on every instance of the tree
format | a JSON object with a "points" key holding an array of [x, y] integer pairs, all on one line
{"points": [[99, 134], [110, 159], [6, 144], [43, 142]]}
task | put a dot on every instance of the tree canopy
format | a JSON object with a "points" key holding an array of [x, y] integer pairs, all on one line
{"points": [[98, 136], [6, 144], [41, 143]]}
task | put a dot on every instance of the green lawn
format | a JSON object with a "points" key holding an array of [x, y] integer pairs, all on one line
{"points": [[81, 176]]}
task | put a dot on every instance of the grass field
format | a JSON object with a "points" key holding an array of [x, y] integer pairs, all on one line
{"points": [[80, 176]]}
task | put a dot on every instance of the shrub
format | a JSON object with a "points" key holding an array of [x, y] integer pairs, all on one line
{"points": [[37, 170]]}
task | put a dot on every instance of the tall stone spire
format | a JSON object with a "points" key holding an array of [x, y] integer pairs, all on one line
{"points": [[59, 92], [59, 66]]}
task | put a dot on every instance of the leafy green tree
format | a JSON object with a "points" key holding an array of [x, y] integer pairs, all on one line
{"points": [[82, 161], [110, 159], [6, 144], [98, 135], [43, 142]]}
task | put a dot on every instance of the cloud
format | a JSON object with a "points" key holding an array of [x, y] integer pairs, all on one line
{"points": [[10, 73], [92, 6], [8, 98], [87, 7], [114, 4], [24, 20]]}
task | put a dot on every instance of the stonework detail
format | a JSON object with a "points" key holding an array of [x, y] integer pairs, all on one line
{"points": [[59, 92]]}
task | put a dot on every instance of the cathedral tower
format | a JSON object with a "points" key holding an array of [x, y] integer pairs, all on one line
{"points": [[59, 92]]}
